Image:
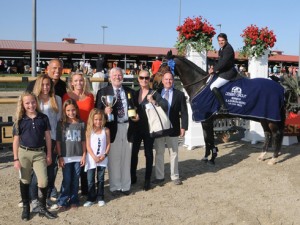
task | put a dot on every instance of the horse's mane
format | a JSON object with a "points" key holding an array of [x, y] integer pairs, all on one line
{"points": [[191, 64]]}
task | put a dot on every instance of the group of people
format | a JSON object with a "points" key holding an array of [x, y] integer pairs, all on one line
{"points": [[65, 127]]}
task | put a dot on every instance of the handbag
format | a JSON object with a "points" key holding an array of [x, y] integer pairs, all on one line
{"points": [[159, 123]]}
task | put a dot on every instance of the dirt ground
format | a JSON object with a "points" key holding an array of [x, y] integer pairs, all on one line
{"points": [[237, 190]]}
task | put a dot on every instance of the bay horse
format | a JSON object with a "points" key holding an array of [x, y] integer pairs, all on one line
{"points": [[194, 80]]}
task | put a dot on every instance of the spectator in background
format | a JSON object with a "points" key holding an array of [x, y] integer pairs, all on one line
{"points": [[100, 64], [155, 65]]}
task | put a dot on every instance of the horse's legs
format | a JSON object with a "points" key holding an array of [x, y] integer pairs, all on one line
{"points": [[268, 140], [208, 133], [277, 135]]}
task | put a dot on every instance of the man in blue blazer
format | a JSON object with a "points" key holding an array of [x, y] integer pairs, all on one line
{"points": [[178, 115]]}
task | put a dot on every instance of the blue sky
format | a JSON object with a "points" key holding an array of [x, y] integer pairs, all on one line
{"points": [[147, 22]]}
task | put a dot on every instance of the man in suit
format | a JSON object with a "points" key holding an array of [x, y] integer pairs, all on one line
{"points": [[121, 134], [177, 109], [224, 69]]}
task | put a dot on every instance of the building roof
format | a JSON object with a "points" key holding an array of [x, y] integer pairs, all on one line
{"points": [[68, 46], [83, 48]]}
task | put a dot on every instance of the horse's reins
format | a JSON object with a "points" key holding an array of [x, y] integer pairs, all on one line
{"points": [[196, 82]]}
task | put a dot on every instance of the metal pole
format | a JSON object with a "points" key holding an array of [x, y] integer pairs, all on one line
{"points": [[219, 25], [179, 22], [103, 27], [299, 58], [33, 50]]}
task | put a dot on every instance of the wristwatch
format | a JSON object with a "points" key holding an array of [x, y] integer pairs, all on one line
{"points": [[105, 155]]}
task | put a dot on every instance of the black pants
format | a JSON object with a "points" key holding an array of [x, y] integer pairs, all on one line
{"points": [[148, 150]]}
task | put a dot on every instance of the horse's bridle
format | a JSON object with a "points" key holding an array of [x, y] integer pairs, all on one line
{"points": [[196, 82]]}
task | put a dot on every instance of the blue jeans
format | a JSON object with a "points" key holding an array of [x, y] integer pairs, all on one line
{"points": [[70, 185], [92, 194]]}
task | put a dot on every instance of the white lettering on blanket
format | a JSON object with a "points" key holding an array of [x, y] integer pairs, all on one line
{"points": [[235, 97]]}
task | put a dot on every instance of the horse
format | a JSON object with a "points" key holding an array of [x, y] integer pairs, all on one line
{"points": [[194, 80], [157, 77]]}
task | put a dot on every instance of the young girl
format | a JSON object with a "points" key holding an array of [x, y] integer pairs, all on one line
{"points": [[98, 145], [31, 133], [50, 104], [71, 150]]}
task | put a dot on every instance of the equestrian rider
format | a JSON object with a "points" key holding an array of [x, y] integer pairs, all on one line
{"points": [[224, 69]]}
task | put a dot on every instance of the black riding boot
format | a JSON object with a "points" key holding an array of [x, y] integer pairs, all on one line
{"points": [[223, 109], [24, 188], [43, 211]]}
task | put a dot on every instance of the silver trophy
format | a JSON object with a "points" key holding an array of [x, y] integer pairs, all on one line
{"points": [[109, 101]]}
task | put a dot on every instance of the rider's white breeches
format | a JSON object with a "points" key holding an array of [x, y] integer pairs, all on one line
{"points": [[219, 82]]}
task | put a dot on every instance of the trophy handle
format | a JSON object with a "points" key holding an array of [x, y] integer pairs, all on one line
{"points": [[103, 97]]}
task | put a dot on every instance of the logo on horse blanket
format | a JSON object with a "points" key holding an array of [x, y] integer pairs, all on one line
{"points": [[254, 99]]}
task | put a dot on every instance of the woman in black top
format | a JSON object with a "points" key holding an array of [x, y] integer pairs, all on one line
{"points": [[144, 96]]}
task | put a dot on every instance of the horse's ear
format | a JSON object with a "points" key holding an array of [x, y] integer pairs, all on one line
{"points": [[170, 54]]}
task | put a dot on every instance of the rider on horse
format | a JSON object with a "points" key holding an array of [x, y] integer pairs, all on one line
{"points": [[224, 69]]}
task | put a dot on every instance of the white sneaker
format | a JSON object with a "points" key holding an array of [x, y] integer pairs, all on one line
{"points": [[101, 203], [88, 204], [20, 204], [54, 206]]}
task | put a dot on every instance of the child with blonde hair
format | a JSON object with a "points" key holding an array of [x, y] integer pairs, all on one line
{"points": [[31, 135], [98, 146]]}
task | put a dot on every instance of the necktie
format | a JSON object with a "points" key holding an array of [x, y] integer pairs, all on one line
{"points": [[167, 95], [120, 107]]}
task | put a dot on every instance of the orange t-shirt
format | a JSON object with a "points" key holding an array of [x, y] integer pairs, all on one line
{"points": [[85, 106]]}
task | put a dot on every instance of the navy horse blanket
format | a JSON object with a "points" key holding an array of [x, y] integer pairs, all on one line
{"points": [[255, 99]]}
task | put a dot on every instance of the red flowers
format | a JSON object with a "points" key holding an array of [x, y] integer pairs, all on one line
{"points": [[197, 32], [257, 40]]}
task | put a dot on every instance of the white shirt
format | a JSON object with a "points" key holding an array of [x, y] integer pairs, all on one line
{"points": [[170, 97], [52, 115], [94, 140]]}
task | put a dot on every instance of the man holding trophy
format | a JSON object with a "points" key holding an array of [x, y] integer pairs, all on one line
{"points": [[114, 101]]}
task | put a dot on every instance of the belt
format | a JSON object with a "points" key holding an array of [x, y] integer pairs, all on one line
{"points": [[32, 149], [126, 121]]}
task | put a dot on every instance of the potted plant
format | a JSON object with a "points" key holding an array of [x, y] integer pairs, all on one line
{"points": [[197, 32], [257, 40]]}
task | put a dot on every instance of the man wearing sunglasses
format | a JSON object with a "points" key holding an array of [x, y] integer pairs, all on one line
{"points": [[178, 115], [121, 132]]}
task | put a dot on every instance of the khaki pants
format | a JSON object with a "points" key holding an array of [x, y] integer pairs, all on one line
{"points": [[172, 145], [119, 160], [35, 160]]}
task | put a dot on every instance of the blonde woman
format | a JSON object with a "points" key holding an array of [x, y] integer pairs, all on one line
{"points": [[79, 91], [51, 105]]}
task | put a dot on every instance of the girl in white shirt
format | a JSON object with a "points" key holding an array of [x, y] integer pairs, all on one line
{"points": [[98, 146]]}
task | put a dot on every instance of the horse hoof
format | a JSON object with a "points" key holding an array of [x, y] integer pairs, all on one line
{"points": [[261, 157], [272, 161], [210, 162], [204, 159]]}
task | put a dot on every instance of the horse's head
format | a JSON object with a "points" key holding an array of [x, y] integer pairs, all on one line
{"points": [[191, 76]]}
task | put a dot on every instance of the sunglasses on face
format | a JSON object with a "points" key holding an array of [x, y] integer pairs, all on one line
{"points": [[144, 78]]}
